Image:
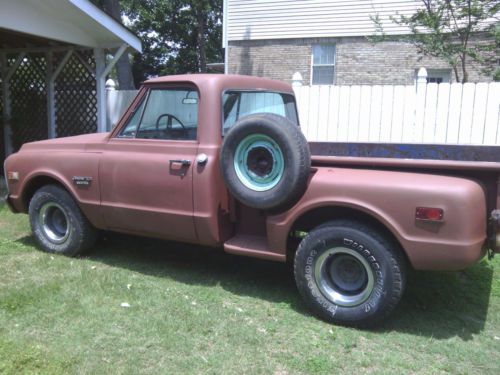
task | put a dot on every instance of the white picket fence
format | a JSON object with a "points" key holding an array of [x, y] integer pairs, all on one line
{"points": [[427, 113], [430, 113]]}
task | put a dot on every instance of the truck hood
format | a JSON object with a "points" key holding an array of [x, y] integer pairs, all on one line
{"points": [[77, 143]]}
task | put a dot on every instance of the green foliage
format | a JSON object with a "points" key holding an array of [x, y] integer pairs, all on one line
{"points": [[177, 36], [457, 31]]}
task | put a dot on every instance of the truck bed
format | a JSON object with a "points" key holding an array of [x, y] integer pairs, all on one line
{"points": [[407, 156], [481, 163]]}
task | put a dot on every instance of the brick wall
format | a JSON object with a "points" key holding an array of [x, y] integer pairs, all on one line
{"points": [[277, 59], [358, 61]]}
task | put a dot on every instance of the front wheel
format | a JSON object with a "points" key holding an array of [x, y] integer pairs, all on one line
{"points": [[349, 274], [58, 224]]}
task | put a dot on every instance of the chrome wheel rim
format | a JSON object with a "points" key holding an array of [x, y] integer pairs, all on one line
{"points": [[259, 162], [344, 277], [54, 222]]}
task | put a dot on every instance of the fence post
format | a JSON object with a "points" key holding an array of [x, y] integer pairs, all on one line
{"points": [[421, 77], [110, 85], [418, 131], [297, 79]]}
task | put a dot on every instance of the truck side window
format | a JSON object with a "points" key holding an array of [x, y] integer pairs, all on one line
{"points": [[131, 127], [238, 104], [170, 114]]}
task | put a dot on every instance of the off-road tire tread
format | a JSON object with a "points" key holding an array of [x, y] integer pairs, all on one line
{"points": [[84, 233], [397, 260]]}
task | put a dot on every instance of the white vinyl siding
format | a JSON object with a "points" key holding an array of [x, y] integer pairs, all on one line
{"points": [[282, 19]]}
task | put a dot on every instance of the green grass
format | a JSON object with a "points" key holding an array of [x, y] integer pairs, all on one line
{"points": [[196, 310]]}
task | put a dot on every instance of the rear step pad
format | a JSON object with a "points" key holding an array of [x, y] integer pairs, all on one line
{"points": [[253, 246]]}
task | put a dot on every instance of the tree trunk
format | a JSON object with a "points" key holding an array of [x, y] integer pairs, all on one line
{"points": [[123, 68], [465, 74], [201, 42], [455, 70]]}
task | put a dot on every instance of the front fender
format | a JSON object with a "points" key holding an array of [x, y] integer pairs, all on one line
{"points": [[60, 167]]}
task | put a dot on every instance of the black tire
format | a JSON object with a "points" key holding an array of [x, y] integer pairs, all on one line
{"points": [[296, 159], [318, 270], [58, 224]]}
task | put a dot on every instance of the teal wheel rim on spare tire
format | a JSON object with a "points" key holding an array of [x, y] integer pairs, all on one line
{"points": [[259, 162]]}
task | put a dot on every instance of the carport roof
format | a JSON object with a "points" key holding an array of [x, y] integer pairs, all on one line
{"points": [[30, 23]]}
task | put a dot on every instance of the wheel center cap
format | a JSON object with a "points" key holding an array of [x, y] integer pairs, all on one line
{"points": [[260, 161]]}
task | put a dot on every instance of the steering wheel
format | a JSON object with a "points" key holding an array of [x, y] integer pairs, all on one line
{"points": [[169, 117]]}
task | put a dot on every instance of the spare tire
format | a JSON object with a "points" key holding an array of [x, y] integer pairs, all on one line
{"points": [[265, 161]]}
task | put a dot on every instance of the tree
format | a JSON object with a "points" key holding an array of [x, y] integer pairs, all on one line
{"points": [[123, 67], [451, 30], [178, 36]]}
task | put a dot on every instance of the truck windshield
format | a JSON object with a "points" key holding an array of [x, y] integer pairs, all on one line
{"points": [[238, 104]]}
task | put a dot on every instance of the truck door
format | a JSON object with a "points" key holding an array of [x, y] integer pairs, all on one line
{"points": [[146, 170]]}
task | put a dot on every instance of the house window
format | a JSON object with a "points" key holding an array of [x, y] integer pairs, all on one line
{"points": [[323, 64], [438, 75]]}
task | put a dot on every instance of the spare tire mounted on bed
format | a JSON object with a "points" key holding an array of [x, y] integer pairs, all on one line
{"points": [[265, 161]]}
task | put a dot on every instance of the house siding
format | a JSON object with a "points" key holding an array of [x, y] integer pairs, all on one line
{"points": [[358, 61], [290, 19]]}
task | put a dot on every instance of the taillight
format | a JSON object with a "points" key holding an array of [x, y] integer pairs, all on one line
{"points": [[429, 214]]}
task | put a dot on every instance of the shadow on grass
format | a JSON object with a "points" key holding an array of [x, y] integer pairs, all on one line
{"points": [[445, 304], [436, 304], [197, 265]]}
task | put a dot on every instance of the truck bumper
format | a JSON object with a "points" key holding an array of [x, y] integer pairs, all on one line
{"points": [[9, 204]]}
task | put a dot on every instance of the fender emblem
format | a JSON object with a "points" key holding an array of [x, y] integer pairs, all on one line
{"points": [[82, 180]]}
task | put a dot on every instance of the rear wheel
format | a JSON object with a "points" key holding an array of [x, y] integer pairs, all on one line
{"points": [[58, 224], [349, 274]]}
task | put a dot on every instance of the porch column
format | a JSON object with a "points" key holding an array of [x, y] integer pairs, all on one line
{"points": [[100, 67], [51, 77], [101, 71]]}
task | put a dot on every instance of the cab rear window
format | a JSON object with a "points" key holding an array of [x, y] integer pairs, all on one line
{"points": [[238, 104]]}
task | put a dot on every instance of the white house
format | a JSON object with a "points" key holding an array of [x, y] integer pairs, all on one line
{"points": [[326, 42]]}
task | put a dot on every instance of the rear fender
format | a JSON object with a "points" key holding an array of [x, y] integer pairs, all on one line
{"points": [[391, 198]]}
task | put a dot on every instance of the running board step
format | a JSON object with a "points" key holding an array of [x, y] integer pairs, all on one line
{"points": [[252, 246]]}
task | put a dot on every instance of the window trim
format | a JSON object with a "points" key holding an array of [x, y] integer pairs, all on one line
{"points": [[144, 99], [142, 95], [334, 45], [264, 91]]}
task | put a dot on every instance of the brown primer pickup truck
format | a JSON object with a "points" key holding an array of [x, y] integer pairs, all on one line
{"points": [[219, 160]]}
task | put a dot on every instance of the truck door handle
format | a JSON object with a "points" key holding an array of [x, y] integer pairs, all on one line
{"points": [[183, 162]]}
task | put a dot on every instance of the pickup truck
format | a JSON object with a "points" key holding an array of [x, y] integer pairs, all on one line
{"points": [[219, 161]]}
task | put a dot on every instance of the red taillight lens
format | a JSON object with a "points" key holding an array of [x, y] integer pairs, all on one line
{"points": [[429, 214]]}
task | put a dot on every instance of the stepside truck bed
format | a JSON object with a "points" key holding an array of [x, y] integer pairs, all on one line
{"points": [[480, 163]]}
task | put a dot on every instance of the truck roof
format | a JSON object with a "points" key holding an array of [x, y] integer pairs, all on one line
{"points": [[225, 82]]}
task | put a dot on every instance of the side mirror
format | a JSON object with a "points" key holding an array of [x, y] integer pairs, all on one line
{"points": [[189, 101]]}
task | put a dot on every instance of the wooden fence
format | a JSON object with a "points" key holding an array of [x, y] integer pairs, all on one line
{"points": [[425, 113]]}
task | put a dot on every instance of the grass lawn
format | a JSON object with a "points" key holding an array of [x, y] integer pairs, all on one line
{"points": [[196, 310]]}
